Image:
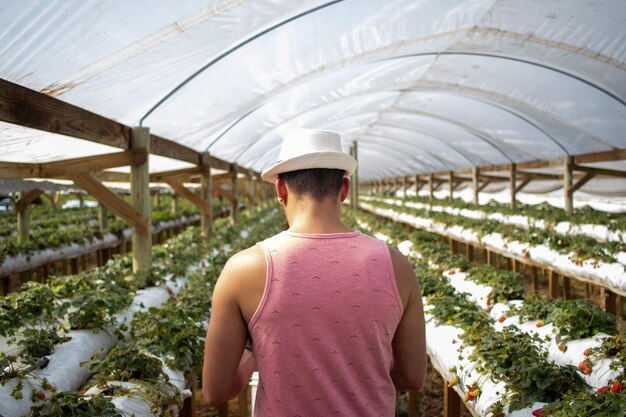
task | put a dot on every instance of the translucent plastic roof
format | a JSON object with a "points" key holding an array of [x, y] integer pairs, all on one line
{"points": [[421, 86]]}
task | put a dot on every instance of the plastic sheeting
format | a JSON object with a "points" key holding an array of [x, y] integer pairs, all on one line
{"points": [[421, 86]]}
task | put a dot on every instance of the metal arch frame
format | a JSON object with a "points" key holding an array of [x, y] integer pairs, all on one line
{"points": [[391, 172], [230, 51], [472, 97], [506, 109], [250, 145], [462, 126], [396, 150], [438, 159], [438, 139]]}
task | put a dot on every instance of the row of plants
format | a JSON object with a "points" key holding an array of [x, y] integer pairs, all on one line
{"points": [[160, 345], [543, 213], [75, 226], [579, 247], [494, 351]]}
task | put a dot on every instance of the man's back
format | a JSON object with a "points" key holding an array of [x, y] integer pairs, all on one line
{"points": [[322, 332]]}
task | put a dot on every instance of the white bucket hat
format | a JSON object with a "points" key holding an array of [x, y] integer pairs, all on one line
{"points": [[308, 148]]}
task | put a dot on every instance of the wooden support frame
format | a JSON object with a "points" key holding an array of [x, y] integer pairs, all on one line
{"points": [[112, 201], [206, 194], [140, 196], [194, 198], [234, 207]]}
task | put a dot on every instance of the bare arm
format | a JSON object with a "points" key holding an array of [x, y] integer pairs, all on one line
{"points": [[227, 364], [409, 342]]}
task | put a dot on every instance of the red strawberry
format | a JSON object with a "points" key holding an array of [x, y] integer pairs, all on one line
{"points": [[40, 394], [539, 323], [602, 389], [203, 263], [54, 318], [537, 412], [587, 371], [588, 352], [617, 387], [562, 347], [501, 319]]}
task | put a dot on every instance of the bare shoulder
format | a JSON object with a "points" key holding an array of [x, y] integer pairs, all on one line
{"points": [[246, 263], [243, 280], [405, 275]]}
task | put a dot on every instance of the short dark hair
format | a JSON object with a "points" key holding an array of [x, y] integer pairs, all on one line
{"points": [[318, 183]]}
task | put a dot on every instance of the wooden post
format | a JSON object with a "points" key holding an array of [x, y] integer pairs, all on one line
{"points": [[74, 265], [206, 219], [417, 185], [140, 195], [566, 288], [475, 184], [405, 186], [234, 205], [431, 186], [513, 186], [22, 208], [23, 223], [469, 251], [451, 401], [103, 218], [553, 284], [174, 203], [451, 180], [535, 278], [567, 184], [609, 301]]}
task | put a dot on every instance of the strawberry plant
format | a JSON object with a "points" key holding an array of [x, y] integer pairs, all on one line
{"points": [[65, 404]]}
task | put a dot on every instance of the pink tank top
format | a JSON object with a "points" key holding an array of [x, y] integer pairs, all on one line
{"points": [[323, 330]]}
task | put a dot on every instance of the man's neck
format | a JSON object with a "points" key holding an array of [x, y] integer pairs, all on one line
{"points": [[315, 217]]}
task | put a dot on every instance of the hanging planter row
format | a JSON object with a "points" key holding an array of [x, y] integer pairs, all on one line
{"points": [[609, 274], [588, 225]]}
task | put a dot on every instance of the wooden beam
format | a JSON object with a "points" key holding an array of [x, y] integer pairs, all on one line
{"points": [[582, 181], [170, 149], [18, 170], [484, 184], [605, 156], [194, 198], [523, 184], [600, 171], [27, 198], [60, 169], [112, 176], [111, 200], [167, 175], [22, 106]]}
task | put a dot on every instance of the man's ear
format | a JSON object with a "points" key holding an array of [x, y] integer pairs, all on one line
{"points": [[345, 189], [281, 189]]}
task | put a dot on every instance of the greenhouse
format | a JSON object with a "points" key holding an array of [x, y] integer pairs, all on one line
{"points": [[489, 137]]}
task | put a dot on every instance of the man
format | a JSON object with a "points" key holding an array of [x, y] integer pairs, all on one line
{"points": [[334, 318]]}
